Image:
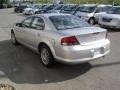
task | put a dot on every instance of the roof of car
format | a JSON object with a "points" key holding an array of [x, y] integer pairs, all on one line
{"points": [[88, 4], [103, 5]]}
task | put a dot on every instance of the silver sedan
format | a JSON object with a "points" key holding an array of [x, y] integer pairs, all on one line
{"points": [[61, 37], [111, 19]]}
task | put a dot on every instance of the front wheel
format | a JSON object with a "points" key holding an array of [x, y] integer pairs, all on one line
{"points": [[46, 56], [13, 38], [35, 12], [91, 21]]}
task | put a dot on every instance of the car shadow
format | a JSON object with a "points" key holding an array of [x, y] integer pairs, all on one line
{"points": [[113, 30], [106, 64], [110, 29], [18, 14], [21, 65], [23, 15]]}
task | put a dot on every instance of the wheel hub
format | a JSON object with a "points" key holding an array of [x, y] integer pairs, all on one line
{"points": [[45, 56]]}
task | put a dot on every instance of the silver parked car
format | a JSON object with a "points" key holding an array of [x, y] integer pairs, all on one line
{"points": [[62, 37], [91, 12], [29, 10], [111, 19]]}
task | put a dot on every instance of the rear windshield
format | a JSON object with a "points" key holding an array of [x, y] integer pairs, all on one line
{"points": [[64, 22]]}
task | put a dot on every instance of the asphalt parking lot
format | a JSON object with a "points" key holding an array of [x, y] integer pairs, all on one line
{"points": [[21, 68]]}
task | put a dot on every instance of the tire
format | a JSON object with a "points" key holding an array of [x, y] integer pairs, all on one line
{"points": [[46, 56], [91, 21], [35, 12], [20, 11], [13, 38]]}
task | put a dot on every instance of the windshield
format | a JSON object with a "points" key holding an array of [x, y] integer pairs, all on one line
{"points": [[30, 6], [114, 10], [58, 7], [49, 7], [68, 22], [69, 9], [107, 8], [88, 9], [42, 6], [36, 7]]}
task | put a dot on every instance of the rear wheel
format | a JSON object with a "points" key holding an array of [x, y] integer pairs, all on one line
{"points": [[46, 56]]}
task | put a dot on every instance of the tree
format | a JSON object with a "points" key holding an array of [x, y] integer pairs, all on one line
{"points": [[3, 1]]}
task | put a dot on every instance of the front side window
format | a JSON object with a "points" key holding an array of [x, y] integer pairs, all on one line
{"points": [[38, 23], [98, 10], [67, 22], [27, 22]]}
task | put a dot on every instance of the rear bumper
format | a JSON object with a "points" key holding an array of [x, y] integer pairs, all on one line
{"points": [[110, 26], [80, 54]]}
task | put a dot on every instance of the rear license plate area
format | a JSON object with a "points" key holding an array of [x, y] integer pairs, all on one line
{"points": [[97, 51]]}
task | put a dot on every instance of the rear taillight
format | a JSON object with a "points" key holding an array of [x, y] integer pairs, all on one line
{"points": [[67, 41]]}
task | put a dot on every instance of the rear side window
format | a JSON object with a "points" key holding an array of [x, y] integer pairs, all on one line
{"points": [[27, 22], [38, 23]]}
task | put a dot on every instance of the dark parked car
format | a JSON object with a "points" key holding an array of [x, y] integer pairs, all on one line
{"points": [[45, 9], [1, 6], [20, 9]]}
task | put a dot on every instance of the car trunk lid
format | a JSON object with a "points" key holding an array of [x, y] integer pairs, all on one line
{"points": [[86, 35]]}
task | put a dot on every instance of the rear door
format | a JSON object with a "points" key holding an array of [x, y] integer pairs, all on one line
{"points": [[34, 32]]}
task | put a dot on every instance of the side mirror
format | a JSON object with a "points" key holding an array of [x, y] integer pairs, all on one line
{"points": [[19, 24]]}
